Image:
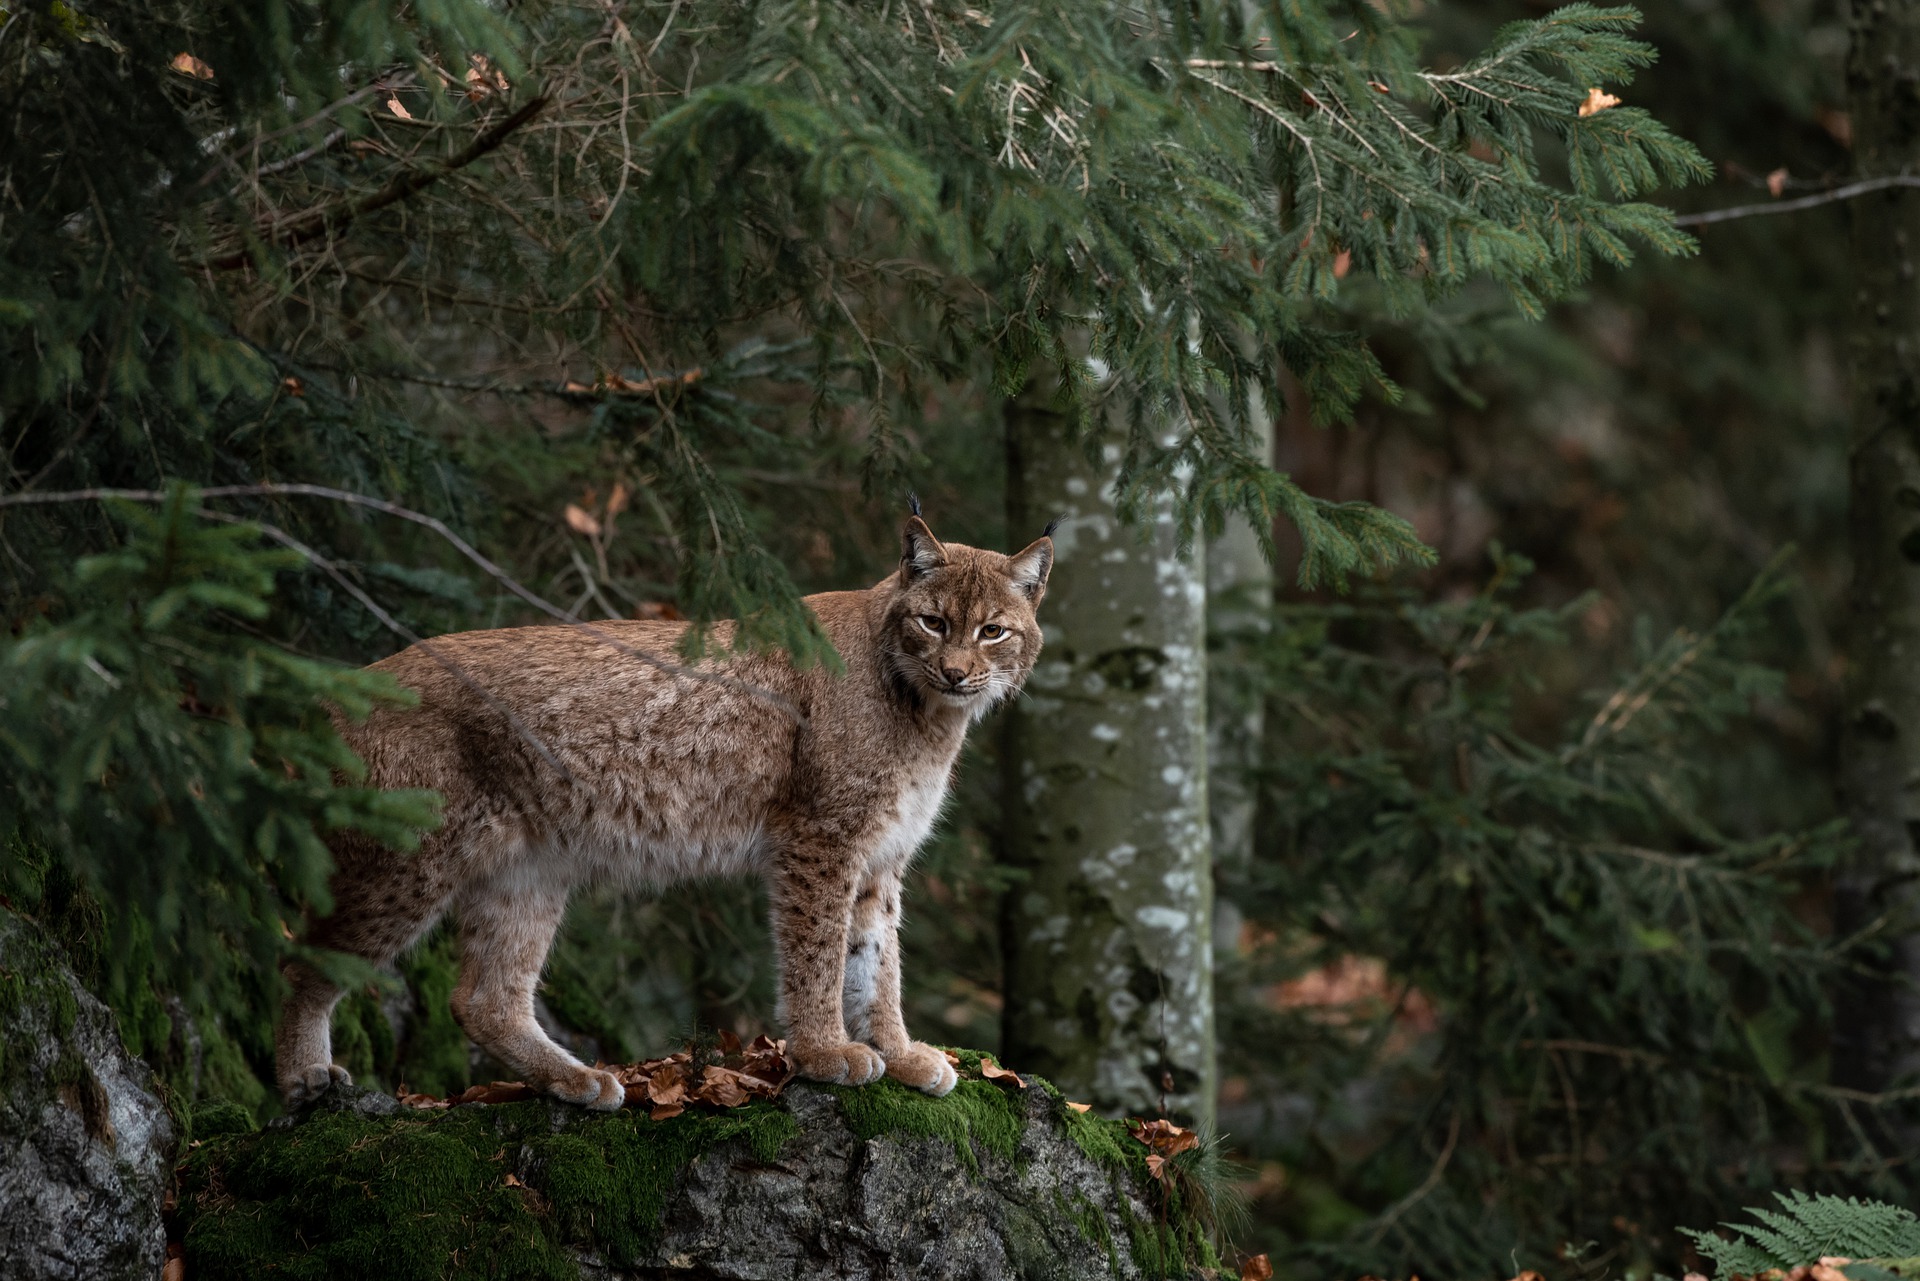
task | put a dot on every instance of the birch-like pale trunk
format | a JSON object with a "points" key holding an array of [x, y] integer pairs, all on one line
{"points": [[1876, 1035], [1108, 931]]}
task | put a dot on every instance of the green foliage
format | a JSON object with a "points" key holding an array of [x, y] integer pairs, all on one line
{"points": [[741, 266], [1807, 1229], [1614, 984], [143, 719]]}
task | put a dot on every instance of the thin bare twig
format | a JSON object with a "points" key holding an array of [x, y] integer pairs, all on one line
{"points": [[759, 692], [401, 630], [329, 219], [1865, 187]]}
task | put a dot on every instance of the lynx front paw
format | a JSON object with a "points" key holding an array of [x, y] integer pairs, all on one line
{"points": [[590, 1088], [313, 1081], [924, 1068], [848, 1064]]}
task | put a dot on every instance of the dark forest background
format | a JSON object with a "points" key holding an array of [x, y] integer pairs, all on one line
{"points": [[1532, 956]]}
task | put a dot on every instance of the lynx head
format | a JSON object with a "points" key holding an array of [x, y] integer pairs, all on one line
{"points": [[959, 629]]}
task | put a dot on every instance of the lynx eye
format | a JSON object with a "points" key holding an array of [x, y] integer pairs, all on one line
{"points": [[992, 631], [933, 623]]}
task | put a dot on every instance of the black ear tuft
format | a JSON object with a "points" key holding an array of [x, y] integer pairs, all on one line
{"points": [[913, 502], [920, 552], [1052, 525], [1029, 567]]}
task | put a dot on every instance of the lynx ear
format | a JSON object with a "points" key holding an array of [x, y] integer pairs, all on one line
{"points": [[920, 552], [1029, 569]]}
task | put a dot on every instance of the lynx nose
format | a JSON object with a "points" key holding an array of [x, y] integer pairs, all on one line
{"points": [[954, 675]]}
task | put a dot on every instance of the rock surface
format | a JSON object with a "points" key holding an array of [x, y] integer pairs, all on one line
{"points": [[821, 1183], [85, 1146]]}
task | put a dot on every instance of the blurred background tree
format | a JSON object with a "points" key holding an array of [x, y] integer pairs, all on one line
{"points": [[1519, 869]]}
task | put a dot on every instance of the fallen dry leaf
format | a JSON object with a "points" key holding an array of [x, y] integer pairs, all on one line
{"points": [[1257, 1268], [994, 1072], [512, 1182], [1342, 264], [1080, 1107], [1156, 1165], [1826, 1272], [1777, 182], [667, 1086], [293, 387], [581, 521], [483, 78], [1597, 101], [398, 108], [721, 1086], [617, 503], [188, 65], [665, 1111], [1163, 1136]]}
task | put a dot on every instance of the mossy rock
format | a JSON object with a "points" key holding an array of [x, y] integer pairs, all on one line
{"points": [[85, 1143], [821, 1183]]}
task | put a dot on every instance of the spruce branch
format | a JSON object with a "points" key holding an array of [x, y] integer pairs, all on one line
{"points": [[772, 699], [331, 220]]}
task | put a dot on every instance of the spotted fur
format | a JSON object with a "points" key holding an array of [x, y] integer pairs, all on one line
{"points": [[674, 779]]}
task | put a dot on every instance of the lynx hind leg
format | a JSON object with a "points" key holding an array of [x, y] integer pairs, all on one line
{"points": [[382, 905], [303, 1065], [505, 931]]}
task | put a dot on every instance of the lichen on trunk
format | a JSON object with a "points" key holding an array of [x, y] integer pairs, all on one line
{"points": [[1107, 930]]}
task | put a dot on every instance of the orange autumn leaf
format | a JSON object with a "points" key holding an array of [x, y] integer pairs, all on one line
{"points": [[188, 65], [722, 1086], [581, 521], [1080, 1107], [1257, 1268], [1597, 101], [398, 108], [1342, 264], [994, 1072]]}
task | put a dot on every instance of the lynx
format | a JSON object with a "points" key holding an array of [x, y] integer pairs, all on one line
{"points": [[566, 758]]}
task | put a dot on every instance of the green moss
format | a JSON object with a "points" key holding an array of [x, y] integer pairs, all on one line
{"points": [[976, 1112], [225, 1073], [434, 1058], [216, 1117], [34, 993], [426, 1195]]}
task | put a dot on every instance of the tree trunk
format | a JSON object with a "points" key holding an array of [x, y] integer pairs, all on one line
{"points": [[1877, 1022], [1239, 596], [1108, 933]]}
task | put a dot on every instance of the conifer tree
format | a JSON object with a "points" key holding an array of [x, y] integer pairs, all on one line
{"points": [[416, 255]]}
